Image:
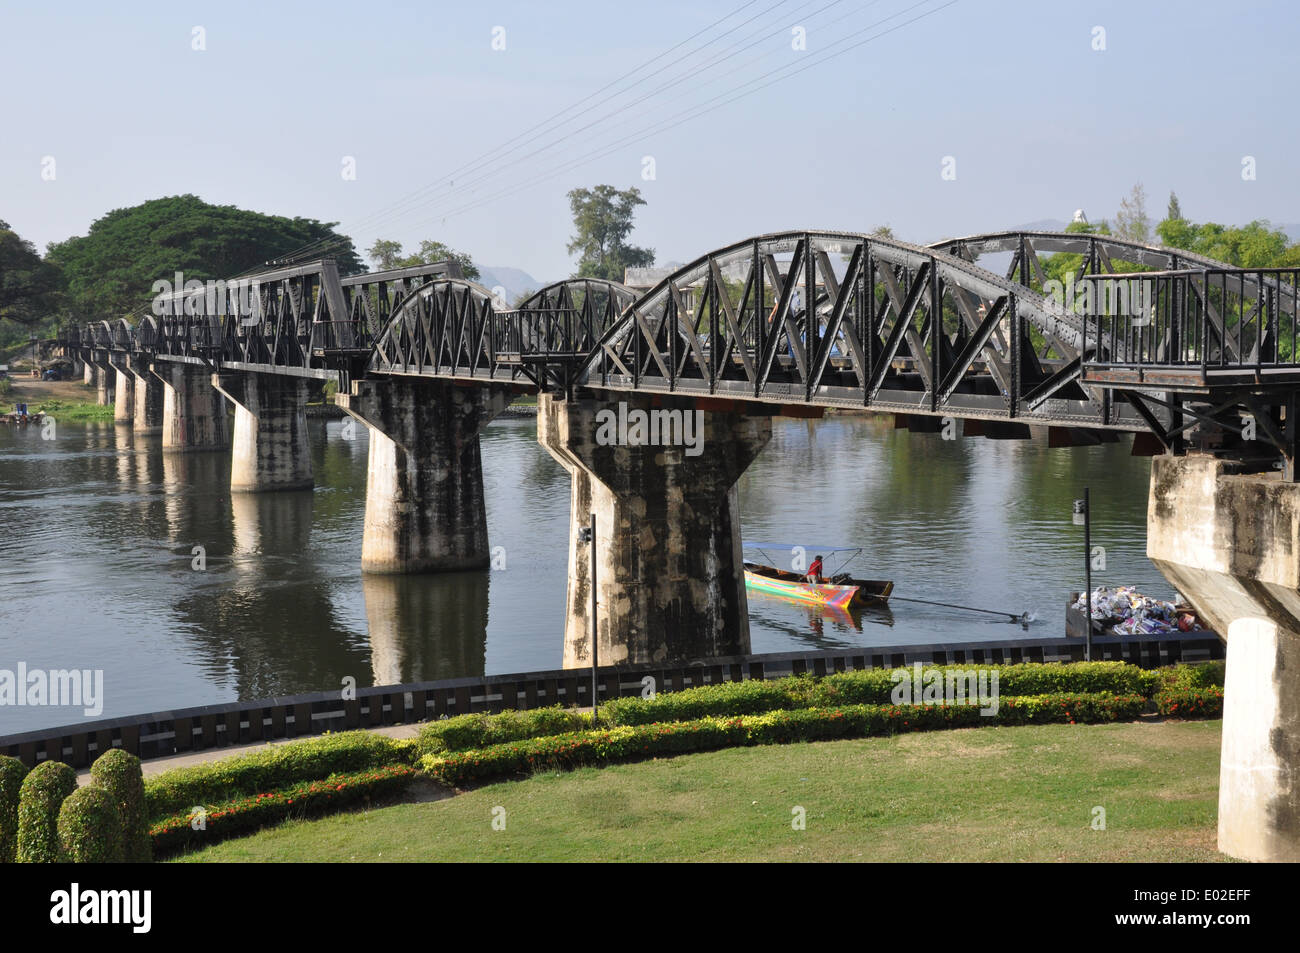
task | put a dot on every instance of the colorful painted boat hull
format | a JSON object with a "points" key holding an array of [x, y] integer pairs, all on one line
{"points": [[841, 597]]}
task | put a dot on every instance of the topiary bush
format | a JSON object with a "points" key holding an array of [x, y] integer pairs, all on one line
{"points": [[90, 827], [118, 772], [39, 799], [12, 772]]}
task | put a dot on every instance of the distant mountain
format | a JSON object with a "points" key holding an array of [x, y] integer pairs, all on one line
{"points": [[1042, 225], [514, 280]]}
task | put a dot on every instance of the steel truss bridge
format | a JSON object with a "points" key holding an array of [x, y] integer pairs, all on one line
{"points": [[806, 320]]}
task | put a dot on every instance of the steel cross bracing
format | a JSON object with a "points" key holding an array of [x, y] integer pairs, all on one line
{"points": [[828, 319], [451, 328], [305, 320]]}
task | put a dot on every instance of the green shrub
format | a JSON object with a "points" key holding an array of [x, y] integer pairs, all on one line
{"points": [[727, 698], [1184, 676], [12, 772], [118, 772], [273, 767], [1191, 702], [480, 729], [39, 799], [870, 687], [308, 799], [90, 827], [876, 686], [634, 742]]}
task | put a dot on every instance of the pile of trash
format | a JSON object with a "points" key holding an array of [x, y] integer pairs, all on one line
{"points": [[1125, 611]]}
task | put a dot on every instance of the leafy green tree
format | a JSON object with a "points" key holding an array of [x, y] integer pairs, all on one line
{"points": [[602, 219], [431, 251], [110, 271], [29, 285], [384, 253], [1256, 245]]}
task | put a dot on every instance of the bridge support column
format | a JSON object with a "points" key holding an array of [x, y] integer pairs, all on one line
{"points": [[123, 392], [148, 399], [105, 381], [670, 573], [270, 446], [424, 482], [1229, 543], [194, 412], [88, 374]]}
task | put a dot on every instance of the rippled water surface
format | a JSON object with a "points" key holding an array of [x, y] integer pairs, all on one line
{"points": [[98, 530]]}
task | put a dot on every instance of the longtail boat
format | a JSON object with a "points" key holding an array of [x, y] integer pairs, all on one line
{"points": [[840, 592]]}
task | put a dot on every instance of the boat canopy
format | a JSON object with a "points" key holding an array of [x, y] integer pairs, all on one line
{"points": [[807, 547]]}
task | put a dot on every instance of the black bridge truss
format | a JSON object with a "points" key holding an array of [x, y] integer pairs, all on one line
{"points": [[820, 319]]}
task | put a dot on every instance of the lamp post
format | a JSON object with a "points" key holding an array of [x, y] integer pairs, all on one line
{"points": [[588, 535], [1083, 517]]}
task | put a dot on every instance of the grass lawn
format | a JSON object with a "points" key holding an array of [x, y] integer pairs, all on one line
{"points": [[1005, 794], [81, 412]]}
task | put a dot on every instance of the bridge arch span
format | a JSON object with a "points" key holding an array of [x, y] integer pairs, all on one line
{"points": [[735, 322]]}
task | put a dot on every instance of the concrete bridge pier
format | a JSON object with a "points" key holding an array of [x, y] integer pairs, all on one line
{"points": [[424, 481], [194, 412], [1230, 543], [270, 446], [670, 574], [123, 392], [104, 378], [149, 399]]}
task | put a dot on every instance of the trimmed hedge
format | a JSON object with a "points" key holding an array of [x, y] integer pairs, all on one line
{"points": [[118, 772], [276, 766], [727, 698], [1191, 703], [480, 730], [871, 687], [313, 798], [1183, 676], [12, 772], [634, 742], [39, 799], [90, 827]]}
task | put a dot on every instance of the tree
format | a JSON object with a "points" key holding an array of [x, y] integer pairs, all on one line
{"points": [[431, 251], [602, 218], [384, 254], [1256, 245], [1175, 211], [29, 285], [110, 271], [1131, 220]]}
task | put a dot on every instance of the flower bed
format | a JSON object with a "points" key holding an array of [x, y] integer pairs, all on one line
{"points": [[298, 800], [1191, 703], [634, 742]]}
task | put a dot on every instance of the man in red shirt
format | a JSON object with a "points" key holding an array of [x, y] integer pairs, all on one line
{"points": [[815, 570]]}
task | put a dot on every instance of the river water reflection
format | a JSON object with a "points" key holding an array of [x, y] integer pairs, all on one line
{"points": [[101, 534]]}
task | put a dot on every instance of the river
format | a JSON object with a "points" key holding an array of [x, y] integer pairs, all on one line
{"points": [[99, 529]]}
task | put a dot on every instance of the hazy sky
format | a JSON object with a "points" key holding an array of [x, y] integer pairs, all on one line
{"points": [[1038, 121]]}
